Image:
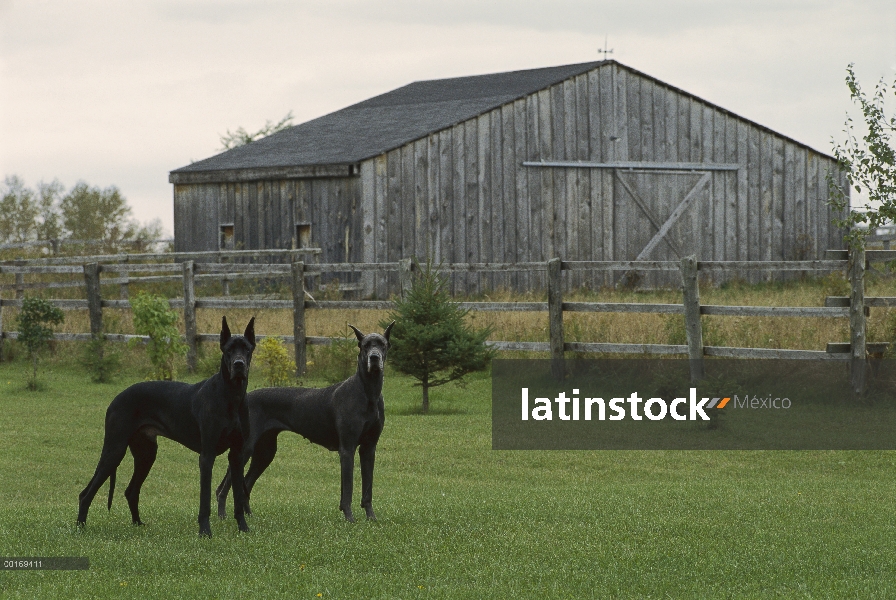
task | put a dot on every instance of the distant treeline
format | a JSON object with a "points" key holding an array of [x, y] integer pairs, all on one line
{"points": [[49, 217]]}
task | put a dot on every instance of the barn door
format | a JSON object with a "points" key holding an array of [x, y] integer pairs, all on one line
{"points": [[661, 215]]}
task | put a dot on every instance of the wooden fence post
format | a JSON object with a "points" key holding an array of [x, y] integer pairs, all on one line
{"points": [[125, 275], [405, 276], [190, 314], [857, 338], [225, 282], [555, 316], [692, 325], [94, 298], [298, 315], [20, 286]]}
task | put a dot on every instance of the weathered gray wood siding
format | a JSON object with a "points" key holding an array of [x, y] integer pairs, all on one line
{"points": [[264, 214], [462, 194]]}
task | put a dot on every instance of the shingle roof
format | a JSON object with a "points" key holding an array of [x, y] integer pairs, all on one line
{"points": [[388, 121]]}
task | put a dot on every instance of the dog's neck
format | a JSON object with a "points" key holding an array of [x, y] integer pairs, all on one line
{"points": [[372, 382]]}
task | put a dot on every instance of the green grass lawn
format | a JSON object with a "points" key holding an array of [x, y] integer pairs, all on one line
{"points": [[456, 519]]}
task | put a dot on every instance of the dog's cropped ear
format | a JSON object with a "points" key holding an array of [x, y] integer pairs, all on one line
{"points": [[250, 331], [225, 332], [358, 333], [388, 330]]}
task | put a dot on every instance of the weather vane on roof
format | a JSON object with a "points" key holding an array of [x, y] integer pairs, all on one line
{"points": [[605, 51]]}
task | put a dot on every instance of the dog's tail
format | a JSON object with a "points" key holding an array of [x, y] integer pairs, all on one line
{"points": [[111, 488]]}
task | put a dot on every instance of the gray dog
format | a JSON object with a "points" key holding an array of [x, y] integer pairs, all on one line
{"points": [[208, 417], [343, 417]]}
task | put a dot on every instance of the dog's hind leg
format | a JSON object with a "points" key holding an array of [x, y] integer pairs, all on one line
{"points": [[221, 495], [368, 456], [224, 489], [109, 461], [262, 455], [143, 448]]}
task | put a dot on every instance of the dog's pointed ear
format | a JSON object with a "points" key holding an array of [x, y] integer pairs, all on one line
{"points": [[388, 330], [225, 332], [250, 331], [358, 333]]}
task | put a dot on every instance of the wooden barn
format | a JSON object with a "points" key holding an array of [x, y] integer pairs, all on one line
{"points": [[592, 161]]}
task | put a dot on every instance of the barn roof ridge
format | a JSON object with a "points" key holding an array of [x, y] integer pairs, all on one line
{"points": [[406, 114]]}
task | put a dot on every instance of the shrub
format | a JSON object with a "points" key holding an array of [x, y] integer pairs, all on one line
{"points": [[35, 331], [154, 317], [272, 359], [207, 362], [334, 362], [100, 361]]}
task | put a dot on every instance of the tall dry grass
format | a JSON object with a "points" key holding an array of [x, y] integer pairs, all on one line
{"points": [[758, 332]]}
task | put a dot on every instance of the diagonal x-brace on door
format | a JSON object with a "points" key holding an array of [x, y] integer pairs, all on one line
{"points": [[663, 229]]}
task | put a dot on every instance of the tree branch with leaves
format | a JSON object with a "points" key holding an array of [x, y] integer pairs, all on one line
{"points": [[869, 163], [241, 137]]}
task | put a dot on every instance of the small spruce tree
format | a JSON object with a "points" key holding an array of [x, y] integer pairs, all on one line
{"points": [[430, 341], [35, 330]]}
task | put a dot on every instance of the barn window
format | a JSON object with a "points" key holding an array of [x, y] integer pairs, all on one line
{"points": [[303, 235], [226, 239]]}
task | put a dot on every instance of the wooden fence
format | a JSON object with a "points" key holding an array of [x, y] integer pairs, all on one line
{"points": [[855, 307]]}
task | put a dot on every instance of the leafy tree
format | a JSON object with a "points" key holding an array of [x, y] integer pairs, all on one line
{"points": [[35, 331], [153, 317], [869, 164], [430, 340], [241, 137], [147, 234], [49, 224], [18, 212], [84, 213], [91, 213]]}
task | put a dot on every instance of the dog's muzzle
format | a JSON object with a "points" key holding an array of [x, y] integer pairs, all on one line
{"points": [[238, 368], [375, 361]]}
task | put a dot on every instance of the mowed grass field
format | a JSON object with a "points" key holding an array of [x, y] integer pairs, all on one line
{"points": [[456, 519]]}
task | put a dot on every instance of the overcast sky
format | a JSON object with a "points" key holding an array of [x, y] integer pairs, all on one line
{"points": [[120, 93]]}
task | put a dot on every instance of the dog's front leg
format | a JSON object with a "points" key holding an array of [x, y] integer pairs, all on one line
{"points": [[234, 457], [206, 462], [368, 456], [347, 461]]}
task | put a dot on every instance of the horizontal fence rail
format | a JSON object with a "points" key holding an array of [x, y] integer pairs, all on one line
{"points": [[118, 269]]}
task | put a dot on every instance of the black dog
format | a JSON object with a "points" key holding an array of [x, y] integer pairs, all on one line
{"points": [[342, 417], [208, 417]]}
